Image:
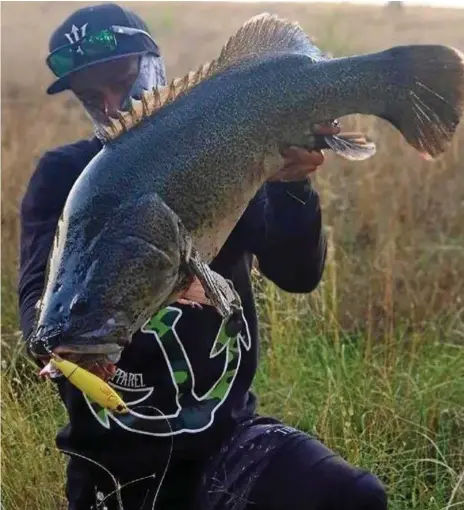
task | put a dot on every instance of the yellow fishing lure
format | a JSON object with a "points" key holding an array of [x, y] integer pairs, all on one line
{"points": [[94, 387]]}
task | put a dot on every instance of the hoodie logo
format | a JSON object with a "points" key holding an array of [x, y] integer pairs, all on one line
{"points": [[194, 410]]}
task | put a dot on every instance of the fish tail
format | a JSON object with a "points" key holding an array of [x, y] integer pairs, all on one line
{"points": [[418, 89], [427, 85]]}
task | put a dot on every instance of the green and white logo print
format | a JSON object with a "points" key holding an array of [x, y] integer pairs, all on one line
{"points": [[194, 412]]}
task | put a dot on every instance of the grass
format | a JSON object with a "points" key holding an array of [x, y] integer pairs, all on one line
{"points": [[395, 408], [373, 361], [32, 469]]}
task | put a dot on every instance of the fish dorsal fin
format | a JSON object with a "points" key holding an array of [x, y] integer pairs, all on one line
{"points": [[262, 34]]}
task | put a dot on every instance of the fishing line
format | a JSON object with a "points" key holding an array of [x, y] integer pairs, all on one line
{"points": [[116, 483], [118, 486]]}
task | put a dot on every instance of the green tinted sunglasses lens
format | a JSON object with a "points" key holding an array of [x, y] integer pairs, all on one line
{"points": [[62, 62], [102, 42], [65, 60]]}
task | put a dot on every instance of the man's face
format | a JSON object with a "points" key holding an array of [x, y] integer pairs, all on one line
{"points": [[103, 87]]}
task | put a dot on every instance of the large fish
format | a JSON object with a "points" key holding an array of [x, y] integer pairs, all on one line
{"points": [[154, 207]]}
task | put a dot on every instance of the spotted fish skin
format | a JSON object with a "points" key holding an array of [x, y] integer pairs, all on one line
{"points": [[171, 188]]}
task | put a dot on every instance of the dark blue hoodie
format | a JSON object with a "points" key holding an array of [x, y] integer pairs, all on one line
{"points": [[183, 378]]}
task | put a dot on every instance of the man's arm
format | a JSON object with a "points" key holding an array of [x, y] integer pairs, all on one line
{"points": [[40, 210], [285, 221], [284, 230]]}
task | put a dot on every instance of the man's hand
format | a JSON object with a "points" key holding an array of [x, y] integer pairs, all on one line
{"points": [[298, 165], [195, 295], [299, 162]]}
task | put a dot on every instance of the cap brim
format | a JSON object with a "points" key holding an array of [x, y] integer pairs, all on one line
{"points": [[62, 83]]}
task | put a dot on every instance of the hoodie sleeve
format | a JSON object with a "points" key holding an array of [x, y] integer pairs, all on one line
{"points": [[39, 213], [40, 210], [283, 226]]}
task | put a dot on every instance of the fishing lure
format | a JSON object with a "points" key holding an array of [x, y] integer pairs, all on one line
{"points": [[91, 385]]}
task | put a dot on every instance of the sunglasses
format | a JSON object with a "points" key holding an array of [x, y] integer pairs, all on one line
{"points": [[101, 44]]}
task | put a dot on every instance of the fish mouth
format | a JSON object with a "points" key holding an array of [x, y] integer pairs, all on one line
{"points": [[96, 350], [98, 359]]}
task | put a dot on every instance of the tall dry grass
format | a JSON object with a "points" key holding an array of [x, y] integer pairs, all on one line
{"points": [[397, 222], [373, 361]]}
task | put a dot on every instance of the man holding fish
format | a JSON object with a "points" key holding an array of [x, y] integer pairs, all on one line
{"points": [[193, 438]]}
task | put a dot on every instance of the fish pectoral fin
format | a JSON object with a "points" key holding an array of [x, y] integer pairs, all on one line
{"points": [[354, 146], [351, 146], [218, 290]]}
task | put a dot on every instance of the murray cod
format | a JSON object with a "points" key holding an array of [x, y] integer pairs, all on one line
{"points": [[154, 207]]}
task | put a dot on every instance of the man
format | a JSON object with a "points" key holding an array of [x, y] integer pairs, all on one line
{"points": [[193, 439]]}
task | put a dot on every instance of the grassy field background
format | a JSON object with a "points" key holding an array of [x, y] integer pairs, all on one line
{"points": [[373, 361]]}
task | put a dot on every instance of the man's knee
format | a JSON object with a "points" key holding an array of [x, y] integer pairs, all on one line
{"points": [[369, 493]]}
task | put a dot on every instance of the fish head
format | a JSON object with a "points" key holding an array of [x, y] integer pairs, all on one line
{"points": [[107, 276]]}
